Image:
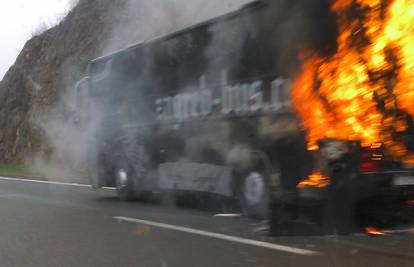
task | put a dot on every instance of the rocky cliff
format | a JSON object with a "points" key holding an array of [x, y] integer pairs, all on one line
{"points": [[49, 64]]}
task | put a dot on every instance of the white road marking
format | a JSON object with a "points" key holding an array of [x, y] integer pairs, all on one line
{"points": [[261, 229], [399, 231], [227, 215], [49, 182], [220, 236]]}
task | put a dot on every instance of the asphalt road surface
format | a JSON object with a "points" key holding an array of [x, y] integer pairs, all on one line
{"points": [[52, 224]]}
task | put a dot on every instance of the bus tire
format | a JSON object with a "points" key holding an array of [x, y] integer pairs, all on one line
{"points": [[124, 182], [255, 195]]}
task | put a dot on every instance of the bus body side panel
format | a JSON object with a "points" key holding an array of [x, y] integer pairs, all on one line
{"points": [[201, 102]]}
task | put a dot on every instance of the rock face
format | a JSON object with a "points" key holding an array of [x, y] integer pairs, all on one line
{"points": [[48, 64]]}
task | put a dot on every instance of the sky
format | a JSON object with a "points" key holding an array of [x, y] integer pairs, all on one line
{"points": [[19, 19]]}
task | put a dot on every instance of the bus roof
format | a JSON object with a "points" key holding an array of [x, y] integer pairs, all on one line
{"points": [[252, 5]]}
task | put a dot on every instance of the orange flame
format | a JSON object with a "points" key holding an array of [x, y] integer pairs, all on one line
{"points": [[373, 231], [365, 91], [315, 179]]}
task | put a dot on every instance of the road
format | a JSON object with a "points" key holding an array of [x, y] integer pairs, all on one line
{"points": [[52, 224]]}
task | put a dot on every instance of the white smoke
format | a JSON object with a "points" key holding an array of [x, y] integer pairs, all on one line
{"points": [[148, 19], [64, 156]]}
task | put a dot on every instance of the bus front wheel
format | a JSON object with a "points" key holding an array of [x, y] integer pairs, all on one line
{"points": [[124, 183]]}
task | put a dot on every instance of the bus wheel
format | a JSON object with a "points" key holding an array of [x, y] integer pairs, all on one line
{"points": [[124, 184], [255, 196]]}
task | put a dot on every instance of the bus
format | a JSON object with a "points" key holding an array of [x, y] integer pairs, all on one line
{"points": [[207, 111]]}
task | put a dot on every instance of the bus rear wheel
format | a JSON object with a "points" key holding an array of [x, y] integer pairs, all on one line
{"points": [[255, 195]]}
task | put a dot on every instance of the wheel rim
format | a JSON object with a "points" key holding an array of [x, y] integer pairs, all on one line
{"points": [[121, 179], [254, 188]]}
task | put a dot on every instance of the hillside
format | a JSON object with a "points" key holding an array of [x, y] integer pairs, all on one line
{"points": [[47, 65]]}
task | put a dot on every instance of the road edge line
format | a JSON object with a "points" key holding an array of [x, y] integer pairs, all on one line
{"points": [[240, 240], [49, 182]]}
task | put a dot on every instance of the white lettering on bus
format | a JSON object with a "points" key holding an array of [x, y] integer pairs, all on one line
{"points": [[280, 93], [239, 99]]}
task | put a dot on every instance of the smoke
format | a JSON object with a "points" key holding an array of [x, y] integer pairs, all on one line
{"points": [[147, 19], [65, 142]]}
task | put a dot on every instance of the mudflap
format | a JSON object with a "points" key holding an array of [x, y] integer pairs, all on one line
{"points": [[298, 213], [313, 211], [283, 213], [339, 210]]}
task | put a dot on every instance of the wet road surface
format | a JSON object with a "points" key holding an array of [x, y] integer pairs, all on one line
{"points": [[52, 224]]}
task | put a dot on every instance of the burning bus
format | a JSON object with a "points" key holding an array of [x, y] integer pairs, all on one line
{"points": [[224, 108]]}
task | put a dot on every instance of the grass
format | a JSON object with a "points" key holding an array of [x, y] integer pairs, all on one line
{"points": [[19, 170], [16, 170]]}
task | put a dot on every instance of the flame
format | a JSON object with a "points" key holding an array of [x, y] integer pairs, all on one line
{"points": [[365, 91], [315, 179], [373, 231]]}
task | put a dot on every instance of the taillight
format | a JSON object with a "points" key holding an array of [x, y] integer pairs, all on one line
{"points": [[369, 166]]}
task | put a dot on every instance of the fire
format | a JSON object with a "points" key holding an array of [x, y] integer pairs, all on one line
{"points": [[365, 91], [315, 179], [373, 231]]}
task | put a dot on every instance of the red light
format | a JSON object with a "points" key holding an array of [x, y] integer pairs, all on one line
{"points": [[369, 166]]}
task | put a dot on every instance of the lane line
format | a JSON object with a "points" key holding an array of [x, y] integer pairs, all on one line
{"points": [[220, 236], [399, 231], [50, 182], [227, 215]]}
